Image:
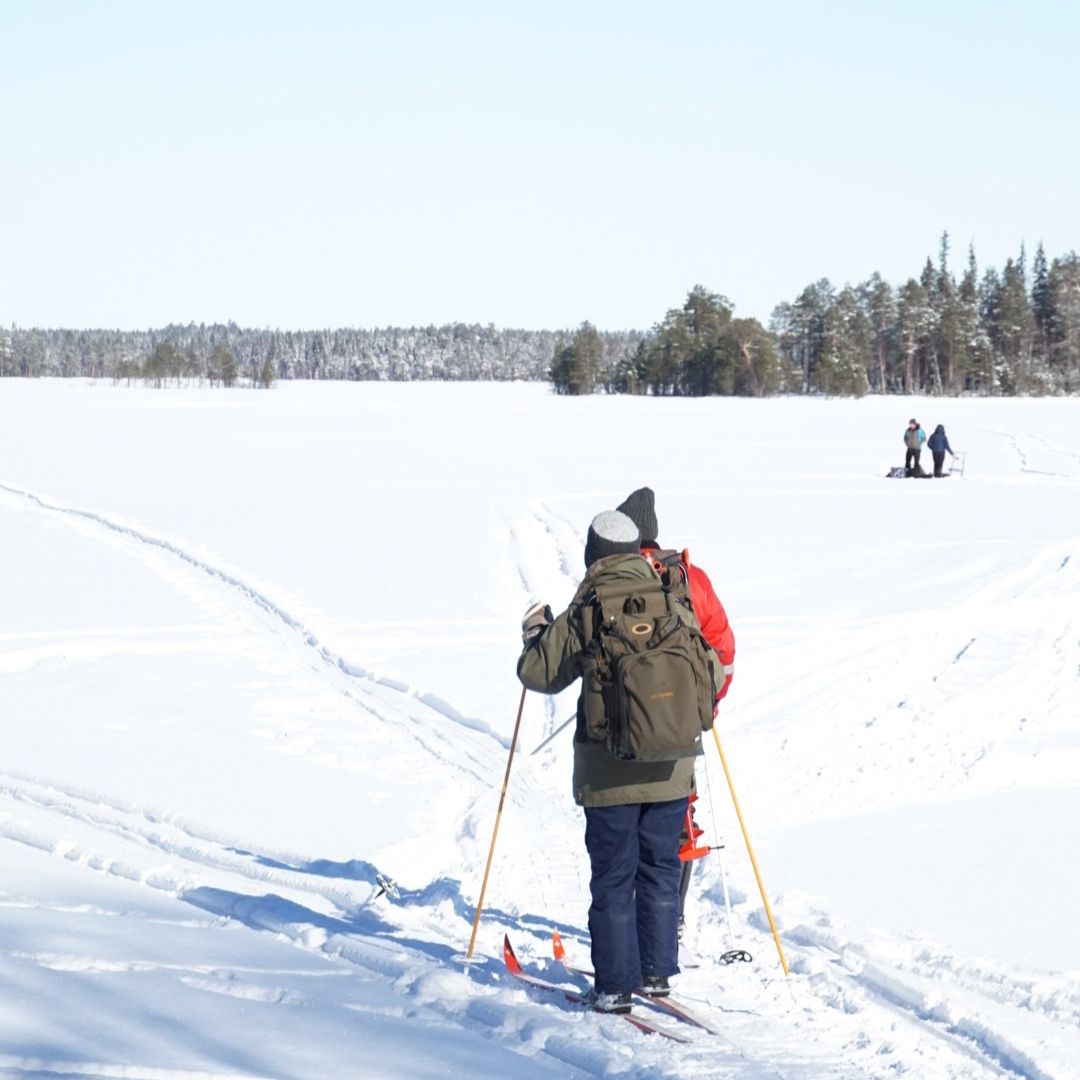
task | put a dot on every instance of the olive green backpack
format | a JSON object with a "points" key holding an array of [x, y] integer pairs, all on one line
{"points": [[650, 675]]}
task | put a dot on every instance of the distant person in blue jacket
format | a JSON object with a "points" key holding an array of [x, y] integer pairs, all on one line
{"points": [[914, 437], [939, 447]]}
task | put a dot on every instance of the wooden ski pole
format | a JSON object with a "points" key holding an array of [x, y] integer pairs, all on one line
{"points": [[750, 849], [495, 831]]}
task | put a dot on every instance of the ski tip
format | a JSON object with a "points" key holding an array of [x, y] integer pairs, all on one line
{"points": [[557, 945], [509, 957]]}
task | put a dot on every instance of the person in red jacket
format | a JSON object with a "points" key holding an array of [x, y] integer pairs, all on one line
{"points": [[640, 507]]}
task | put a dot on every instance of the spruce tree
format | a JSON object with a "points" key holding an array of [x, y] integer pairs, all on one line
{"points": [[1042, 308], [576, 367], [1064, 283], [914, 326], [846, 344], [1012, 331], [877, 299], [971, 360]]}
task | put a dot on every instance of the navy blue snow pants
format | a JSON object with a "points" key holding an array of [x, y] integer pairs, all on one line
{"points": [[634, 916]]}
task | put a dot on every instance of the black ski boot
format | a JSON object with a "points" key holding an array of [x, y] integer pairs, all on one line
{"points": [[609, 1003]]}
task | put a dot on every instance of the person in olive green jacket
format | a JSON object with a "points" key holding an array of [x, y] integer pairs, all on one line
{"points": [[914, 437], [634, 811]]}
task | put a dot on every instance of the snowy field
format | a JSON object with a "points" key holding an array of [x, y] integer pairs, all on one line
{"points": [[256, 647]]}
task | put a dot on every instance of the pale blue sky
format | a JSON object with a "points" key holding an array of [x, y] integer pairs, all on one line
{"points": [[316, 164]]}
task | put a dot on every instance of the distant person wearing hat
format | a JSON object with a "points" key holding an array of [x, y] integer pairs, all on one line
{"points": [[939, 447], [914, 437], [634, 810]]}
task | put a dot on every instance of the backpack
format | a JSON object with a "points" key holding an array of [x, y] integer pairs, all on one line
{"points": [[649, 673]]}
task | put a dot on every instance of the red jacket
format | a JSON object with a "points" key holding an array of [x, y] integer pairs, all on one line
{"points": [[712, 618]]}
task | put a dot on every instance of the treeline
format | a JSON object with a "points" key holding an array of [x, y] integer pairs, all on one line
{"points": [[202, 352], [1011, 332], [698, 349], [1016, 331]]}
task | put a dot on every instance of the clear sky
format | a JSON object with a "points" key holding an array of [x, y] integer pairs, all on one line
{"points": [[316, 164]]}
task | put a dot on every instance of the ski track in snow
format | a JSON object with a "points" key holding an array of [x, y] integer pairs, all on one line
{"points": [[546, 553], [968, 650], [12, 1066], [322, 909], [350, 677], [319, 908], [1044, 448], [848, 971], [120, 840]]}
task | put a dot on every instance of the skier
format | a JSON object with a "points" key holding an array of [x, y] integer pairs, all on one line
{"points": [[640, 507], [914, 437], [634, 810], [939, 445]]}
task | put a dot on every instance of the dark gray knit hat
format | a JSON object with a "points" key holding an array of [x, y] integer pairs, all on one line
{"points": [[611, 533], [640, 507]]}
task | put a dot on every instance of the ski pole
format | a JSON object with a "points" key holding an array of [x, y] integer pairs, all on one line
{"points": [[723, 871], [495, 831], [750, 849], [562, 727]]}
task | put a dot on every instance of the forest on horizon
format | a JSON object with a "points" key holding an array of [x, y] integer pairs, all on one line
{"points": [[1013, 331]]}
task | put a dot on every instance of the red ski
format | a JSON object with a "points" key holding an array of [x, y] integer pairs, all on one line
{"points": [[666, 1004], [578, 998]]}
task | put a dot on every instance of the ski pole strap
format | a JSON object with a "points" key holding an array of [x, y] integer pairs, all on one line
{"points": [[386, 885], [735, 956]]}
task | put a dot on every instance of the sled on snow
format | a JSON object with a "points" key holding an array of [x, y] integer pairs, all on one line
{"points": [[898, 472]]}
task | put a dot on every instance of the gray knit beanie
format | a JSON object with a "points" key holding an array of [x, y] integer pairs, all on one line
{"points": [[640, 507], [611, 533]]}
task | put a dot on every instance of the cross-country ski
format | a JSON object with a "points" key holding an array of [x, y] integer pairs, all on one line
{"points": [[665, 1003], [577, 997]]}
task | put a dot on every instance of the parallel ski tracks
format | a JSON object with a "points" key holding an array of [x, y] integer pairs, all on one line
{"points": [[387, 699], [165, 852], [850, 970], [216, 875], [145, 836]]}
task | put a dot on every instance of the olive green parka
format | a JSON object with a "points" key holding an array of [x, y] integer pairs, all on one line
{"points": [[553, 660]]}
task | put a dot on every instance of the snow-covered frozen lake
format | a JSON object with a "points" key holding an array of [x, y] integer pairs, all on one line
{"points": [[257, 646]]}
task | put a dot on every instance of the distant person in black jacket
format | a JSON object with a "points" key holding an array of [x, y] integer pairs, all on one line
{"points": [[939, 446]]}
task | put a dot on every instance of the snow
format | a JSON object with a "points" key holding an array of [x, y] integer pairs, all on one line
{"points": [[256, 647]]}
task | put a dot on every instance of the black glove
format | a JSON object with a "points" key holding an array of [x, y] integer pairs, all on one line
{"points": [[537, 619]]}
